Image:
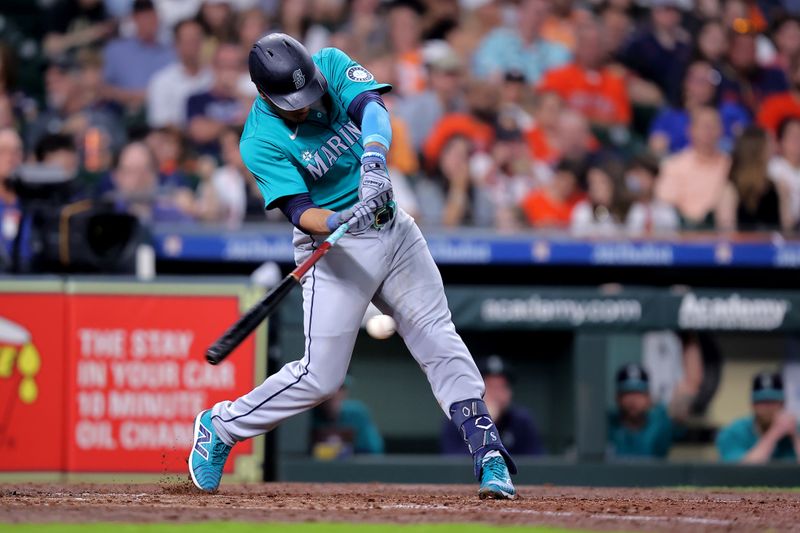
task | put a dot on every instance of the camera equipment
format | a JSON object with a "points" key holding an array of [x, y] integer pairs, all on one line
{"points": [[61, 232]]}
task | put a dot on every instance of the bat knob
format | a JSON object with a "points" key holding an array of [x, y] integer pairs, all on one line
{"points": [[213, 356]]}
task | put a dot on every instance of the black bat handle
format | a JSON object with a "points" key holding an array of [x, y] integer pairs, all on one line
{"points": [[243, 327]]}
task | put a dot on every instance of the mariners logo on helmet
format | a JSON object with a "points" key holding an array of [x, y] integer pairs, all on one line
{"points": [[298, 78], [360, 74]]}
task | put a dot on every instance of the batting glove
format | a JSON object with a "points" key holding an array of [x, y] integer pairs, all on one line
{"points": [[376, 188], [359, 218]]}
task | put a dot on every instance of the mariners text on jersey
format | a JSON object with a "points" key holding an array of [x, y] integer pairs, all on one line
{"points": [[335, 146]]}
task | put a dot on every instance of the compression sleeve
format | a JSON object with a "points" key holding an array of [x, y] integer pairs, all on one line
{"points": [[294, 206], [368, 111]]}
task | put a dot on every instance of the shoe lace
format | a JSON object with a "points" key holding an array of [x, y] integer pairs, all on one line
{"points": [[495, 467], [220, 453]]}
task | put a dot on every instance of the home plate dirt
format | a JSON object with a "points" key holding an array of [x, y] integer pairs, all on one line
{"points": [[589, 508]]}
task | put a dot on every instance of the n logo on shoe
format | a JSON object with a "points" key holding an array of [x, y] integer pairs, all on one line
{"points": [[203, 437]]}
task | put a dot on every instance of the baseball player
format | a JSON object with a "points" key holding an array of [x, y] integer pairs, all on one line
{"points": [[316, 141]]}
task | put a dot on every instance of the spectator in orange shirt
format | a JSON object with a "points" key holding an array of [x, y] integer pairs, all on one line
{"points": [[779, 107], [551, 206], [477, 125], [588, 85], [542, 136]]}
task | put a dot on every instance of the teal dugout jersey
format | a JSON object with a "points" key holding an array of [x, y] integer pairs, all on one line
{"points": [[654, 439], [321, 156], [735, 440]]}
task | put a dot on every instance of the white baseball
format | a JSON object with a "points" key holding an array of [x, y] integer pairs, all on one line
{"points": [[381, 326]]}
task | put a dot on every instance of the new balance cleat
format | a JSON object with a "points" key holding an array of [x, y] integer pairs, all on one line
{"points": [[495, 480], [208, 455]]}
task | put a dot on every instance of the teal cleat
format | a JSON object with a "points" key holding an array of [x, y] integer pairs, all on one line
{"points": [[208, 454], [495, 480]]}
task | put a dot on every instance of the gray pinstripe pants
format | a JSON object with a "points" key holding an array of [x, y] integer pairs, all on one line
{"points": [[392, 268]]}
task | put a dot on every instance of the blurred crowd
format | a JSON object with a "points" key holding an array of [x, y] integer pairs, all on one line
{"points": [[602, 117]]}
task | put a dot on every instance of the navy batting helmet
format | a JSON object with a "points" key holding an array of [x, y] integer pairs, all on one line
{"points": [[283, 71]]}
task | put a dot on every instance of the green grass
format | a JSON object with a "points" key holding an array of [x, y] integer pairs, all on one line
{"points": [[241, 527]]}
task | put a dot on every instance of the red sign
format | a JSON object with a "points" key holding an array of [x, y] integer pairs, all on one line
{"points": [[32, 384], [138, 377]]}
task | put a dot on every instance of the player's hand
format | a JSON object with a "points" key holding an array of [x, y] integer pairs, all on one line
{"points": [[358, 218], [376, 187], [784, 424]]}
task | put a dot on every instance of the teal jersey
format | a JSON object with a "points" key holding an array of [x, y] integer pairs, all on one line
{"points": [[735, 440], [654, 439], [321, 156], [354, 416]]}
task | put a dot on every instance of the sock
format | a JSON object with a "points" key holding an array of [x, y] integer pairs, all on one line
{"points": [[490, 454], [477, 428]]}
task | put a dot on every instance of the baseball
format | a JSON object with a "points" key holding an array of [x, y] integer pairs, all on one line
{"points": [[381, 326]]}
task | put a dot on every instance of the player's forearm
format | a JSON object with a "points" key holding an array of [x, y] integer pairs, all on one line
{"points": [[315, 221], [762, 451], [376, 127]]}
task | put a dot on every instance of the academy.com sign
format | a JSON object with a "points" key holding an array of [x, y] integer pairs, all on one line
{"points": [[576, 312], [732, 313]]}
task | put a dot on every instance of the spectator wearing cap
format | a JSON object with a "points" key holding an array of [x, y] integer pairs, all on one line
{"points": [[669, 131], [507, 173], [476, 123], [341, 426], [588, 85], [170, 87], [210, 112], [454, 196], [661, 53], [522, 48], [785, 166], [693, 180], [445, 94], [647, 215], [515, 424], [744, 81], [769, 434], [777, 108], [640, 428], [129, 63]]}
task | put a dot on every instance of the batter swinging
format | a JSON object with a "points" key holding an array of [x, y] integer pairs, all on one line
{"points": [[316, 141]]}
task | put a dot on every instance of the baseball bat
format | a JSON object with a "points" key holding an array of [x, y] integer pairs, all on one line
{"points": [[243, 327]]}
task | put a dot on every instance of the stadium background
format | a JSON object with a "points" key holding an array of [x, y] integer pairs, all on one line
{"points": [[562, 285]]}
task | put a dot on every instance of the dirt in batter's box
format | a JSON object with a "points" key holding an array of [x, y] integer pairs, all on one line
{"points": [[603, 509]]}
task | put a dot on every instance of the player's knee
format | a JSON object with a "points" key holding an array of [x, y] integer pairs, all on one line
{"points": [[328, 386]]}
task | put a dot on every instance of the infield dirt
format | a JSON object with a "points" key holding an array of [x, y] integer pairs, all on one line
{"points": [[589, 508]]}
